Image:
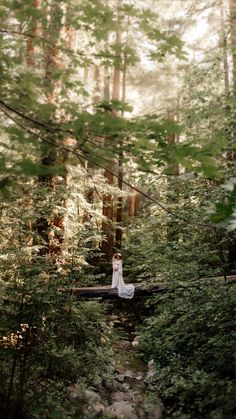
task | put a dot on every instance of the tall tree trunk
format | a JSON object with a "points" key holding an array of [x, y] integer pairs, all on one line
{"points": [[116, 96], [50, 227], [232, 9], [51, 51], [107, 227], [96, 96], [97, 87], [34, 33], [117, 72], [224, 45], [233, 52], [133, 205], [119, 211], [31, 62], [108, 205], [106, 84], [173, 169], [232, 17]]}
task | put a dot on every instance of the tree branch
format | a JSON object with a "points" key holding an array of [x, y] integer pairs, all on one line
{"points": [[80, 155]]}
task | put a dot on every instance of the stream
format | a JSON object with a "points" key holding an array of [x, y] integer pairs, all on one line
{"points": [[129, 396], [124, 393]]}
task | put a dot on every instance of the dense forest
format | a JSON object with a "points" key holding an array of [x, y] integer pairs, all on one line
{"points": [[118, 134]]}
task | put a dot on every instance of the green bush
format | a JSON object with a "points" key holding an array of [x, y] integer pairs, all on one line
{"points": [[49, 341], [192, 339]]}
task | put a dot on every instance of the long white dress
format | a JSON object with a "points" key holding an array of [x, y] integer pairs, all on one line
{"points": [[124, 291]]}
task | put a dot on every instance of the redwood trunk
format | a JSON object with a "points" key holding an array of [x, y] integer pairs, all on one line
{"points": [[233, 40], [173, 169], [133, 206], [33, 34], [232, 242], [108, 205], [224, 45], [50, 227]]}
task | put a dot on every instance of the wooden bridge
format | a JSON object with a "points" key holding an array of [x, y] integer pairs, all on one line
{"points": [[106, 291]]}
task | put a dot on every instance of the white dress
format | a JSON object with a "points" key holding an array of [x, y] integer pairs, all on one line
{"points": [[124, 291]]}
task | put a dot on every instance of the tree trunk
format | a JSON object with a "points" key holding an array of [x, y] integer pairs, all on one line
{"points": [[107, 224], [108, 205], [50, 227], [133, 206], [107, 228], [224, 45], [232, 9], [173, 169], [97, 87], [96, 96], [119, 208], [106, 84], [34, 33]]}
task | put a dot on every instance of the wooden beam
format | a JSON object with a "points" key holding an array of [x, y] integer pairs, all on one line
{"points": [[106, 291]]}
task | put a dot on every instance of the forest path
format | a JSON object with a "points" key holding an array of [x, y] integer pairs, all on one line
{"points": [[128, 396]]}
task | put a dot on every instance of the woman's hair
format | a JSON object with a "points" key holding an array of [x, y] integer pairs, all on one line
{"points": [[117, 256]]}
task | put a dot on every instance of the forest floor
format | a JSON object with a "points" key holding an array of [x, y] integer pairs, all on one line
{"points": [[128, 393], [125, 392]]}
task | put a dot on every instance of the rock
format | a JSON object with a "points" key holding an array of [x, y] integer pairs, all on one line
{"points": [[99, 408], [120, 396], [122, 409], [151, 363], [110, 385], [76, 394], [92, 397], [129, 377], [125, 387], [120, 378], [152, 408], [111, 368], [152, 371], [117, 321], [86, 402], [139, 377], [136, 341], [130, 374]]}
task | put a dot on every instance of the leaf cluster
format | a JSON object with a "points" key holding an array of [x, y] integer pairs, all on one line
{"points": [[195, 363]]}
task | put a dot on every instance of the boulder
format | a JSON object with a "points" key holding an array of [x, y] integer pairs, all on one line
{"points": [[92, 397], [120, 378], [76, 394], [136, 341], [152, 408], [99, 408], [152, 371], [119, 396], [110, 385], [122, 409]]}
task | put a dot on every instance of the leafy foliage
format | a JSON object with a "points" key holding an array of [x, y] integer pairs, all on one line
{"points": [[52, 130], [48, 341], [195, 362]]}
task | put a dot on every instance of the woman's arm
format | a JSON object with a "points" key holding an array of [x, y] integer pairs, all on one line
{"points": [[115, 265]]}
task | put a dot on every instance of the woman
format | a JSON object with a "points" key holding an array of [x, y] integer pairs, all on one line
{"points": [[124, 291]]}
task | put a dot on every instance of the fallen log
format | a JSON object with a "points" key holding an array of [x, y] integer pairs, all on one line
{"points": [[108, 292]]}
